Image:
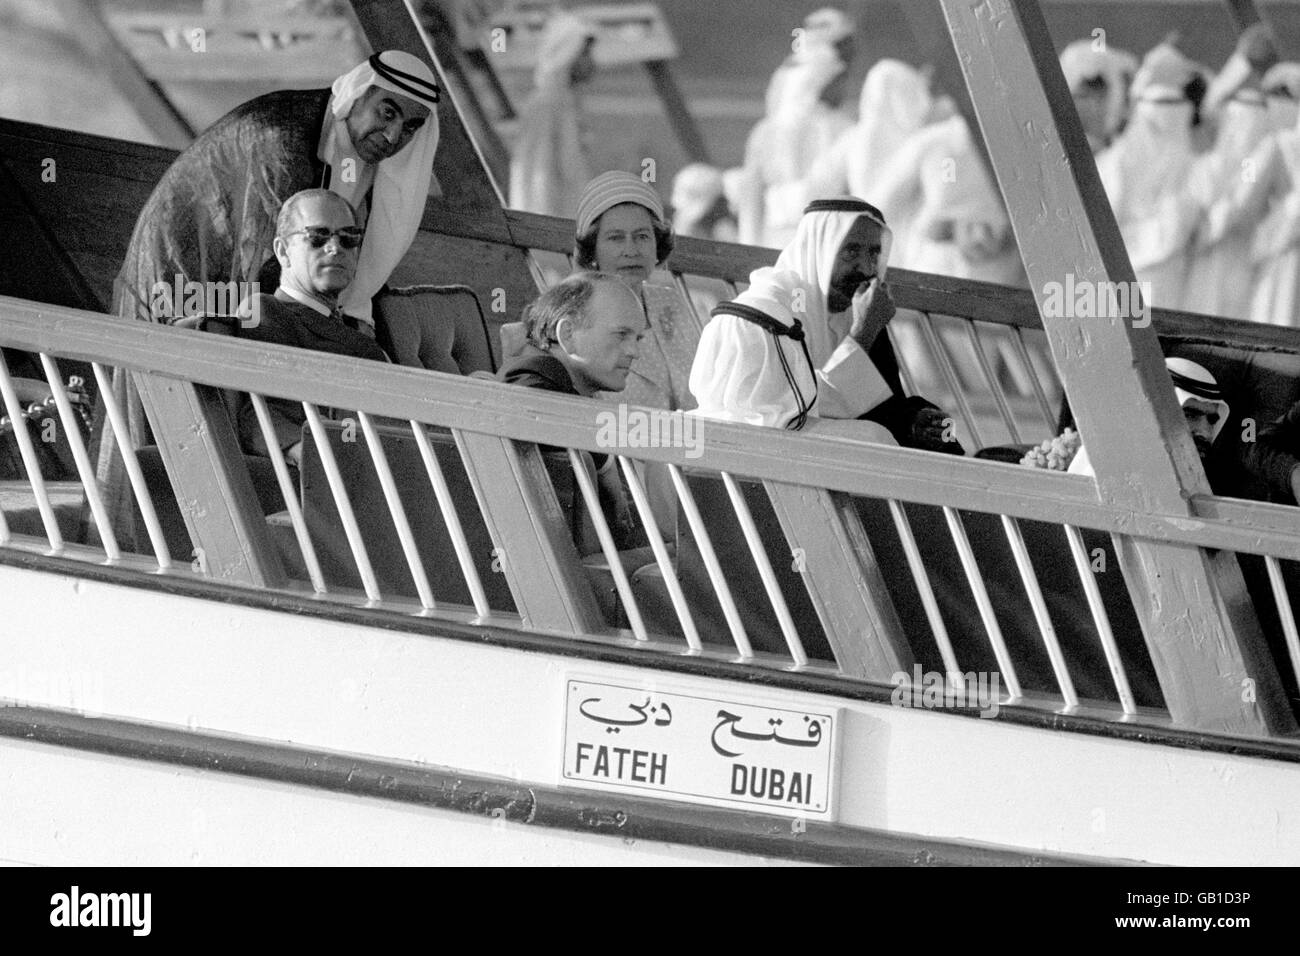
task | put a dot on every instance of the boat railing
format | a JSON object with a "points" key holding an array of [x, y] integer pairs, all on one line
{"points": [[796, 551], [975, 348]]}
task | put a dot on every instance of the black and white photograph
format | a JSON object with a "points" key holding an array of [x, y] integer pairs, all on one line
{"points": [[630, 433]]}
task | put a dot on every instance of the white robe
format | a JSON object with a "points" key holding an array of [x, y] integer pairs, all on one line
{"points": [[737, 373], [894, 104], [782, 148], [1144, 173], [1221, 274], [549, 166]]}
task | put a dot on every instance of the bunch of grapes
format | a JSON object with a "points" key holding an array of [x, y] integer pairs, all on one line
{"points": [[1054, 454]]}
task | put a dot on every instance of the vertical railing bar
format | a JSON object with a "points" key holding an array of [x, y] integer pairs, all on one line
{"points": [[122, 436], [759, 553], [85, 471], [452, 520], [624, 587], [1285, 611], [290, 495], [1044, 406], [976, 579], [922, 580], [1099, 617], [904, 369], [1045, 627], [661, 554], [999, 394], [346, 515], [398, 513], [684, 291], [950, 376], [28, 452], [711, 564]]}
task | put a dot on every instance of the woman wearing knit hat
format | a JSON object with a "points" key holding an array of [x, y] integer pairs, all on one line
{"points": [[620, 227]]}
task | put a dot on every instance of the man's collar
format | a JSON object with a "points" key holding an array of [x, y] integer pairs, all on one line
{"points": [[313, 303]]}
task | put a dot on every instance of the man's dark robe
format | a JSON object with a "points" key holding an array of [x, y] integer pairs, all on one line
{"points": [[211, 218]]}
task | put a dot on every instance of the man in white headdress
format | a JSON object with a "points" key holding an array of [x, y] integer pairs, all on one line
{"points": [[803, 342], [1145, 169], [1099, 78], [1262, 204], [895, 103], [799, 127], [370, 138], [827, 28], [1221, 271], [549, 166], [1203, 406], [699, 204]]}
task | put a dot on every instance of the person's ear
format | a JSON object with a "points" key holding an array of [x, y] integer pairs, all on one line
{"points": [[564, 333], [280, 246]]}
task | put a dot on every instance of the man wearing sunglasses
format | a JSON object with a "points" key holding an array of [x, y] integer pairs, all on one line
{"points": [[316, 243]]}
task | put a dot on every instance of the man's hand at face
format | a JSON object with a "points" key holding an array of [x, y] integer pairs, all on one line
{"points": [[873, 307], [932, 431]]}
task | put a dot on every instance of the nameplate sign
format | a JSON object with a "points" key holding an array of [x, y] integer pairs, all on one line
{"points": [[735, 752]]}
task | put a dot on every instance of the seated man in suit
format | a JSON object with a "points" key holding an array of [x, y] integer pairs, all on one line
{"points": [[584, 333], [316, 243]]}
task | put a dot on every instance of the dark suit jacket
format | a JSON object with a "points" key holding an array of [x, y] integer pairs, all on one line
{"points": [[285, 321]]}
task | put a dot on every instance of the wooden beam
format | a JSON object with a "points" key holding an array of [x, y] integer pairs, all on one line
{"points": [[679, 116], [111, 60], [467, 188], [839, 568], [206, 467], [1203, 637], [460, 167], [535, 548]]}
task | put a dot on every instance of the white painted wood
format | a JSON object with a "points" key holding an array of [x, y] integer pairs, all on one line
{"points": [[490, 710]]}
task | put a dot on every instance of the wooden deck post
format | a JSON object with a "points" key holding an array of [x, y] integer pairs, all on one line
{"points": [[196, 439], [1214, 667]]}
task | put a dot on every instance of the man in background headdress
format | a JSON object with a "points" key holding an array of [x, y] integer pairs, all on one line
{"points": [[1203, 406], [549, 165], [1145, 170], [1099, 78]]}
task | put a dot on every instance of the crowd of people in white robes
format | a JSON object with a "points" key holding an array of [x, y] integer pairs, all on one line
{"points": [[1202, 169]]}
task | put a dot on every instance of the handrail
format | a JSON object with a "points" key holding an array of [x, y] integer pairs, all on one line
{"points": [[924, 292], [728, 262], [835, 463]]}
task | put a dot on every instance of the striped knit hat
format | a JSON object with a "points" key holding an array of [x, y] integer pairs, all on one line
{"points": [[611, 189]]}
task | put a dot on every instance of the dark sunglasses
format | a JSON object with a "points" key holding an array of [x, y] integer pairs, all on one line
{"points": [[349, 236]]}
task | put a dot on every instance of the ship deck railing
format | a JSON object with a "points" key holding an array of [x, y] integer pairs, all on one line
{"points": [[785, 532]]}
